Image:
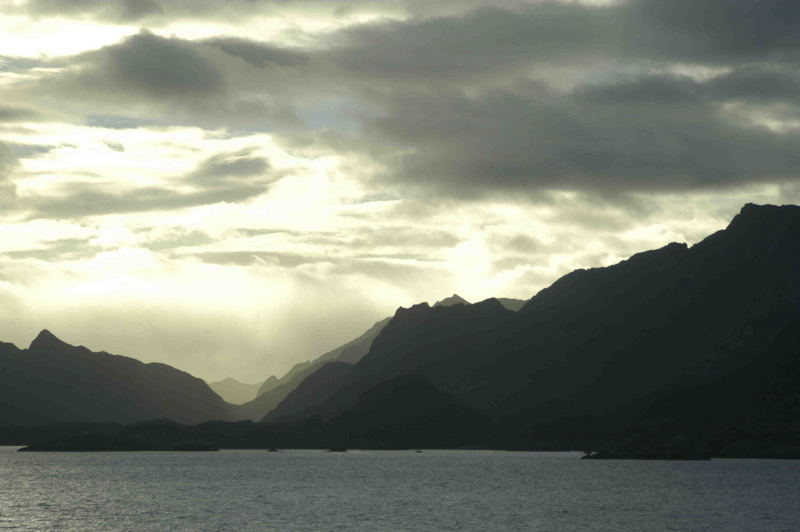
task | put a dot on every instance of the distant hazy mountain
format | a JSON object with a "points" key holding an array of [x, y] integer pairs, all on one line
{"points": [[53, 381], [455, 299], [512, 304], [272, 392], [507, 302], [267, 385], [236, 392], [668, 342]]}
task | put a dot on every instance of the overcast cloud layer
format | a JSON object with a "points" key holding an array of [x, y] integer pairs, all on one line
{"points": [[232, 187]]}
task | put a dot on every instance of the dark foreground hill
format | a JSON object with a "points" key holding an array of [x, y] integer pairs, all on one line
{"points": [[54, 382], [672, 348]]}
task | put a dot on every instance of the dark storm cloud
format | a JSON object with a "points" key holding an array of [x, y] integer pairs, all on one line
{"points": [[151, 80], [645, 134], [538, 97], [154, 66], [259, 54], [715, 30], [480, 43], [450, 109], [758, 84]]}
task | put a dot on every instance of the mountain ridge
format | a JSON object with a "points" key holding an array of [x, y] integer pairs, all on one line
{"points": [[588, 357], [54, 381]]}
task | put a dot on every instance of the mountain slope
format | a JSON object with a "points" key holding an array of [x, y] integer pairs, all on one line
{"points": [[273, 392], [605, 349], [235, 392], [394, 351], [53, 381], [455, 299], [512, 304]]}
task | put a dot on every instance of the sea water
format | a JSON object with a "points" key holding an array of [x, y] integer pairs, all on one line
{"points": [[401, 490]]}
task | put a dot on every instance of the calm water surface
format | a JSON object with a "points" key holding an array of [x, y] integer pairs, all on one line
{"points": [[434, 490]]}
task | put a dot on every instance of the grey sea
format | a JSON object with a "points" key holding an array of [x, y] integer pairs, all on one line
{"points": [[371, 490]]}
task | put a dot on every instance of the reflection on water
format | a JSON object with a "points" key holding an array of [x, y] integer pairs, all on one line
{"points": [[433, 490]]}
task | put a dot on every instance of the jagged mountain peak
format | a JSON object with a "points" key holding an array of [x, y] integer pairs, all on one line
{"points": [[47, 341], [765, 217]]}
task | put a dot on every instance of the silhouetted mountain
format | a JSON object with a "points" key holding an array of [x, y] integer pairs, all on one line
{"points": [[407, 412], [674, 353], [455, 299], [312, 390], [686, 340], [266, 401], [392, 354], [53, 381], [235, 392]]}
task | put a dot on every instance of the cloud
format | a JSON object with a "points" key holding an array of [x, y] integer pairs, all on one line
{"points": [[229, 177], [158, 12], [61, 249], [259, 54], [481, 44], [224, 167], [116, 146], [116, 10], [10, 113], [716, 31], [153, 66], [643, 134], [147, 79], [80, 200]]}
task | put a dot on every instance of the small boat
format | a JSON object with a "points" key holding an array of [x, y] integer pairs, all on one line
{"points": [[337, 450], [272, 450]]}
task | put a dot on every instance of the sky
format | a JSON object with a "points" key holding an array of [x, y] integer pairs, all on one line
{"points": [[233, 187]]}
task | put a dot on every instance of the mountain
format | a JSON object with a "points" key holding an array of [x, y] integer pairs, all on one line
{"points": [[53, 381], [313, 388], [236, 392], [271, 382], [512, 304], [455, 299], [671, 343], [273, 392], [507, 302]]}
